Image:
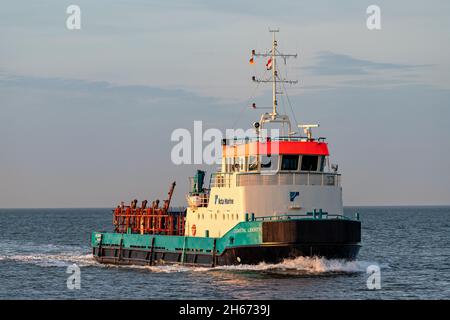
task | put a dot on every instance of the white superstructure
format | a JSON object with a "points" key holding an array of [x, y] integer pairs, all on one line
{"points": [[262, 176]]}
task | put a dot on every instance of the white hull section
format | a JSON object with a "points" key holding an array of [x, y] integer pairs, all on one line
{"points": [[275, 200], [228, 202]]}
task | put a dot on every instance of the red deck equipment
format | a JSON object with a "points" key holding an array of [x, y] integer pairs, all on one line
{"points": [[152, 220]]}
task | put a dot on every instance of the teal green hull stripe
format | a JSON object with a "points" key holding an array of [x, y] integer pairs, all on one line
{"points": [[246, 233], [243, 234]]}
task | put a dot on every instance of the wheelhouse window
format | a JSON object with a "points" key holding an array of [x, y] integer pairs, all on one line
{"points": [[309, 163], [322, 163], [231, 164], [269, 163], [228, 164], [241, 163], [252, 163], [289, 162]]}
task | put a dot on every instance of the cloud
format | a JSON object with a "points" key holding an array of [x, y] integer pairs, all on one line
{"points": [[96, 87], [330, 63]]}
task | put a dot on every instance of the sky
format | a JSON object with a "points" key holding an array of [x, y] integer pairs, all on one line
{"points": [[86, 115]]}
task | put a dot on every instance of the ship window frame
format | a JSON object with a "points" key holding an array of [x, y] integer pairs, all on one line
{"points": [[322, 160], [272, 165], [230, 165], [252, 163], [241, 161], [290, 162], [311, 167]]}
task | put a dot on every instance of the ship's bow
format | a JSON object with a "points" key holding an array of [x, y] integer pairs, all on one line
{"points": [[291, 238]]}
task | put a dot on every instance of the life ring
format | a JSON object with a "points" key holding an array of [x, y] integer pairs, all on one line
{"points": [[194, 229]]}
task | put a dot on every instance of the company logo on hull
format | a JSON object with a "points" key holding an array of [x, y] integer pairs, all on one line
{"points": [[293, 195], [218, 200]]}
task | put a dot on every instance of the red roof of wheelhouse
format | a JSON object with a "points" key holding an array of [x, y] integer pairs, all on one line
{"points": [[277, 147]]}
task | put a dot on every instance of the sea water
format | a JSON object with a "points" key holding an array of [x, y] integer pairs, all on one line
{"points": [[409, 245]]}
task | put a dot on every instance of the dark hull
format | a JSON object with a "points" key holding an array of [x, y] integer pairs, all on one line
{"points": [[232, 256], [276, 241]]}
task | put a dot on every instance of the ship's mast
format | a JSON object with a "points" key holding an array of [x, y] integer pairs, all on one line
{"points": [[273, 54], [274, 75]]}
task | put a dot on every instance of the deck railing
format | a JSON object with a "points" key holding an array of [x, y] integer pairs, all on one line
{"points": [[148, 221], [303, 178], [198, 199], [237, 141], [224, 180], [220, 180], [316, 214]]}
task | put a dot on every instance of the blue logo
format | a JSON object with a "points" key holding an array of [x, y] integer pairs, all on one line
{"points": [[293, 195]]}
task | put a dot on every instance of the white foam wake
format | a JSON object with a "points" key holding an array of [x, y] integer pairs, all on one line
{"points": [[300, 265], [52, 260], [309, 265], [45, 255], [63, 256]]}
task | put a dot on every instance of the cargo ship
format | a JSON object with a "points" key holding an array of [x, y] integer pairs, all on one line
{"points": [[273, 198]]}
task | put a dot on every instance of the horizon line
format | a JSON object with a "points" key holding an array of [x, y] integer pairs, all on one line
{"points": [[175, 206]]}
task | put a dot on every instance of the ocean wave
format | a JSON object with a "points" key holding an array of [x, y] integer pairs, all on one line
{"points": [[300, 265], [25, 247], [52, 260], [49, 255], [45, 254], [309, 265]]}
